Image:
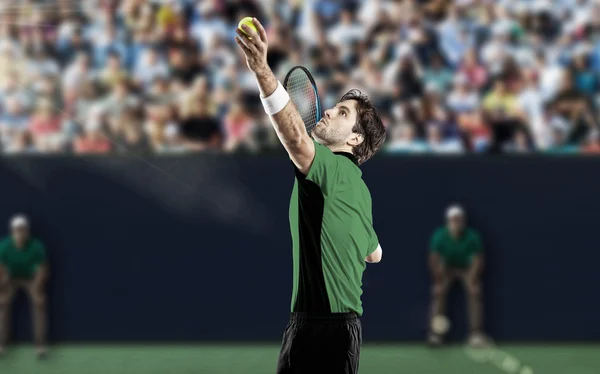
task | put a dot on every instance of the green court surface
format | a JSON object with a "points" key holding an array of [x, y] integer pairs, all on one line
{"points": [[261, 359]]}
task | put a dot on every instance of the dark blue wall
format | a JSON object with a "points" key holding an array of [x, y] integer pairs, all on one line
{"points": [[198, 248]]}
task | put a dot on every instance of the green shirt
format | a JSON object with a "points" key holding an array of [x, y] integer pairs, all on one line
{"points": [[22, 263], [332, 232], [456, 252]]}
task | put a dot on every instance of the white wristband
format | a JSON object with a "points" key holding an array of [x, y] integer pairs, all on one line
{"points": [[276, 101]]}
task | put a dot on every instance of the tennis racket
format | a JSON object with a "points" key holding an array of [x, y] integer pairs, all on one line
{"points": [[302, 89]]}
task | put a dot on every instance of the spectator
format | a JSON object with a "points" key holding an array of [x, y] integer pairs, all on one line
{"points": [[149, 67], [157, 122], [238, 126], [560, 144], [21, 143], [183, 65], [92, 140], [402, 53], [113, 72], [531, 101], [519, 143], [592, 145], [76, 74], [476, 130], [405, 76], [208, 24], [71, 44], [494, 52], [199, 125], [120, 99], [472, 70], [23, 265], [454, 37], [107, 42], [201, 129], [41, 64], [346, 32], [586, 80], [45, 125], [133, 140], [438, 116], [158, 92], [551, 75], [462, 98], [11, 86], [456, 253], [502, 112], [82, 103], [438, 144], [172, 142], [13, 121], [575, 107], [438, 74], [404, 140]]}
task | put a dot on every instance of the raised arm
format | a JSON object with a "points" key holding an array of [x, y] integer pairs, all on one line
{"points": [[285, 118]]}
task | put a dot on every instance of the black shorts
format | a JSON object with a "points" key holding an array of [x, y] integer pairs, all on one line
{"points": [[321, 344]]}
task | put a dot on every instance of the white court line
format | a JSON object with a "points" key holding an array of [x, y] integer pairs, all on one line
{"points": [[502, 360]]}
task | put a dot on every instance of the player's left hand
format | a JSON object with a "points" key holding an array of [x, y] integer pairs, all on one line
{"points": [[254, 45]]}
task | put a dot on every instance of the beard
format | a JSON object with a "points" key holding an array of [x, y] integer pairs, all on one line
{"points": [[327, 136]]}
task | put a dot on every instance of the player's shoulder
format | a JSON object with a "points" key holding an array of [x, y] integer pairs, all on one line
{"points": [[5, 242], [440, 232], [472, 233], [35, 242]]}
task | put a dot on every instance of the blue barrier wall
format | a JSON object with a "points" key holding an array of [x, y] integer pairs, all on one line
{"points": [[198, 248]]}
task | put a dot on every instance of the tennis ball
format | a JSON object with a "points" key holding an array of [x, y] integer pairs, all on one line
{"points": [[248, 22], [440, 324]]}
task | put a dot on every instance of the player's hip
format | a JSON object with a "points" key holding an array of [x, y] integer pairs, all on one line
{"points": [[321, 343]]}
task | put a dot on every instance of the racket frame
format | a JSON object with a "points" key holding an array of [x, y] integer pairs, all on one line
{"points": [[314, 85]]}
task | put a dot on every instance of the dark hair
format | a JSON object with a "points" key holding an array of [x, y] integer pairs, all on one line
{"points": [[368, 124]]}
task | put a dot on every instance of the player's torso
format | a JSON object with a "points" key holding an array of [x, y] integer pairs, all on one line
{"points": [[19, 262], [330, 238], [457, 252]]}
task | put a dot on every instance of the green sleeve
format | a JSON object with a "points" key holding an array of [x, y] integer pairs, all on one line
{"points": [[40, 253], [373, 241], [2, 252], [324, 170], [477, 245], [434, 242]]}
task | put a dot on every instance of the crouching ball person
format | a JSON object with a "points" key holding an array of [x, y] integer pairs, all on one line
{"points": [[456, 254], [23, 267]]}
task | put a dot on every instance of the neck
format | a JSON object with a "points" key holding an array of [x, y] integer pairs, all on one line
{"points": [[341, 148], [456, 234]]}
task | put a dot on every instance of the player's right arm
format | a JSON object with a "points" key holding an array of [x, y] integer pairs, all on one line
{"points": [[4, 274], [287, 122], [436, 262]]}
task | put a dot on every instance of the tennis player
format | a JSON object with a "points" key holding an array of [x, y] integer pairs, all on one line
{"points": [[330, 219]]}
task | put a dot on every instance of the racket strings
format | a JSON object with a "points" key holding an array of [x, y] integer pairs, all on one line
{"points": [[302, 94]]}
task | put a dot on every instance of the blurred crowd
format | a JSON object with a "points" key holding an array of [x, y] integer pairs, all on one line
{"points": [[165, 76]]}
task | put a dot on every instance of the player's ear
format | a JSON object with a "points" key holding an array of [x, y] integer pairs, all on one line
{"points": [[356, 139]]}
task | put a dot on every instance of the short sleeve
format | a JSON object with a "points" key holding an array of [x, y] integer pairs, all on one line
{"points": [[324, 170], [373, 241], [2, 252], [40, 253], [434, 243], [477, 244]]}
